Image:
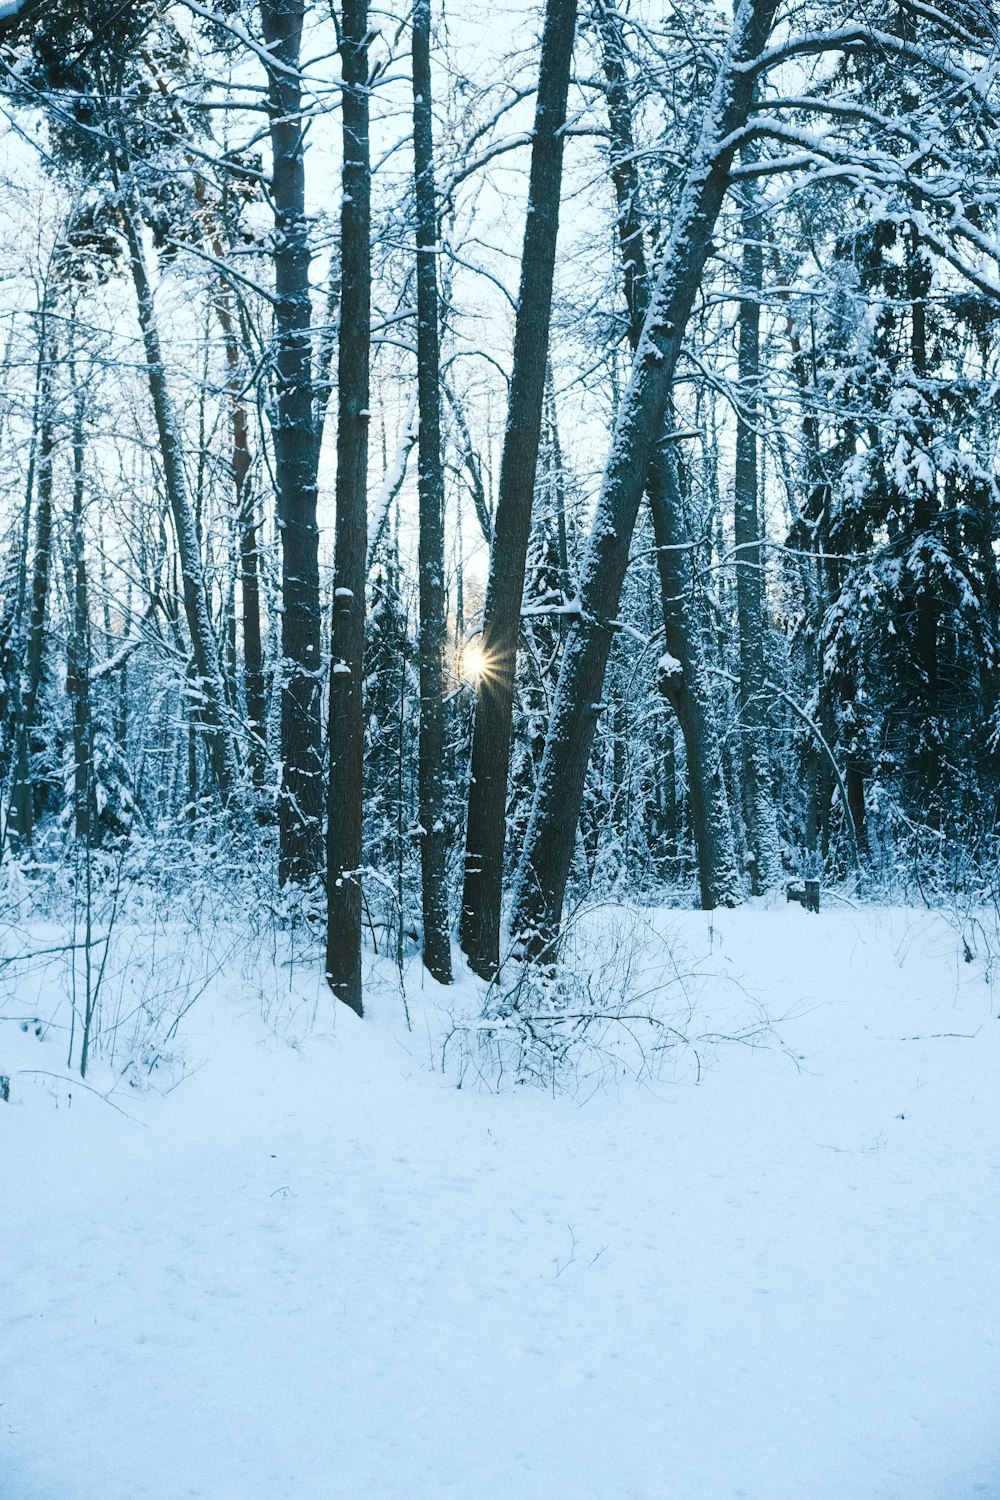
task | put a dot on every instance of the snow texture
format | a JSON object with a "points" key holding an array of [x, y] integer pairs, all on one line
{"points": [[315, 1270]]}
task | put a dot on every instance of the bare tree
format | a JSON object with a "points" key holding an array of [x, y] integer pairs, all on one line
{"points": [[639, 429], [432, 757], [78, 646], [764, 856], [35, 595], [347, 731], [207, 682], [294, 453], [485, 834], [683, 677]]}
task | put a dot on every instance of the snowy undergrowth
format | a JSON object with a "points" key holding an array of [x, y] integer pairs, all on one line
{"points": [[316, 1270], [640, 994], [109, 971], [116, 967], [632, 997]]}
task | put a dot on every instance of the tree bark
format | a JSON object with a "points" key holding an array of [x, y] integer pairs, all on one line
{"points": [[347, 730], [925, 526], [486, 829], [78, 650], [15, 590], [557, 475], [686, 683], [21, 816], [300, 806], [807, 534], [764, 856], [253, 659], [639, 429], [253, 650], [246, 529], [209, 684], [432, 760], [684, 680]]}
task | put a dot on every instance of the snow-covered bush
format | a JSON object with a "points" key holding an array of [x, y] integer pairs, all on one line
{"points": [[628, 1000]]}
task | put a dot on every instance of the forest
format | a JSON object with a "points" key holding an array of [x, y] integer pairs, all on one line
{"points": [[499, 514], [447, 568]]}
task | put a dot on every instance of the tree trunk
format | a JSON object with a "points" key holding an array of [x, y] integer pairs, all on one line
{"points": [[78, 650], [485, 834], [432, 762], [209, 684], [807, 534], [347, 729], [557, 474], [684, 680], [253, 660], [687, 685], [925, 527], [21, 816], [639, 429], [253, 651], [300, 806], [764, 857], [10, 588], [246, 529], [15, 583]]}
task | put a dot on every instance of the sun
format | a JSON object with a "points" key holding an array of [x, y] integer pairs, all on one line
{"points": [[475, 663]]}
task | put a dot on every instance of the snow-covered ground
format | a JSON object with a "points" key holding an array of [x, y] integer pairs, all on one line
{"points": [[317, 1270]]}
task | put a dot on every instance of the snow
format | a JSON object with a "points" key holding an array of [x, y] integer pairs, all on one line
{"points": [[394, 476], [316, 1270]]}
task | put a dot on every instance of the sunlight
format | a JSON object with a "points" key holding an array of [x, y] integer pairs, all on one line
{"points": [[475, 663]]}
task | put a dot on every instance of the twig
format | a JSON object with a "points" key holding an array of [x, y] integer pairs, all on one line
{"points": [[77, 1083]]}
